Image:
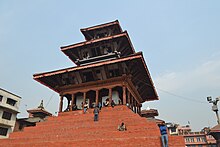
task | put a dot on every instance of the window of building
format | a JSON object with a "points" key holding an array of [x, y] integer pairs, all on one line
{"points": [[11, 101], [198, 139], [191, 139], [7, 115], [1, 97], [3, 131], [187, 139], [203, 139], [114, 73], [173, 129]]}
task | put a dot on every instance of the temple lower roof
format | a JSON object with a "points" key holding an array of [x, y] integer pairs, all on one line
{"points": [[133, 64]]}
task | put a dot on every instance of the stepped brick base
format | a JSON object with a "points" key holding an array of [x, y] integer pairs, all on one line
{"points": [[78, 129]]}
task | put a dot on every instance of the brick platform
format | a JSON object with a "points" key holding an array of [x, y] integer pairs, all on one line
{"points": [[77, 129]]}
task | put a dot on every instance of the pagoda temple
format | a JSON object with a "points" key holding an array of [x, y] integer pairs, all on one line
{"points": [[107, 67]]}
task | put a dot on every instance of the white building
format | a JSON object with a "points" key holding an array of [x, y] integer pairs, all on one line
{"points": [[9, 104]]}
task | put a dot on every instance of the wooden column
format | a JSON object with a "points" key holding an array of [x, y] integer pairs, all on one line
{"points": [[96, 97], [61, 103], [135, 106], [129, 99], [124, 95], [72, 102], [132, 103], [139, 109], [110, 94], [84, 97]]}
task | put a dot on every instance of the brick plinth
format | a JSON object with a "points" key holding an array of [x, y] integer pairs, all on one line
{"points": [[77, 129]]}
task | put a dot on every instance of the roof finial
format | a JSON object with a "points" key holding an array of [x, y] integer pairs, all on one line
{"points": [[41, 105]]}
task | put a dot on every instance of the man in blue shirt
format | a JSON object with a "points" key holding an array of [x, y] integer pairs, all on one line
{"points": [[163, 132]]}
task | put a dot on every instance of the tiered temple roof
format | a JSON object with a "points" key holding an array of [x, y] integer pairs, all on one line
{"points": [[106, 56]]}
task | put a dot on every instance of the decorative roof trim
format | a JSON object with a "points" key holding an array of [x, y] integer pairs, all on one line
{"points": [[116, 22]]}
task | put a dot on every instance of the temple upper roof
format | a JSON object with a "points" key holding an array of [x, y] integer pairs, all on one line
{"points": [[102, 30]]}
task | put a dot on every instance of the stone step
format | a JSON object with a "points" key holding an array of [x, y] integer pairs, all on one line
{"points": [[77, 129]]}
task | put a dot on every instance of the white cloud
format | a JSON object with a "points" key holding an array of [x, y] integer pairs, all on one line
{"points": [[201, 77], [185, 88]]}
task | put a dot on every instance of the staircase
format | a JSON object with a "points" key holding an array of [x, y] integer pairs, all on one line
{"points": [[78, 129]]}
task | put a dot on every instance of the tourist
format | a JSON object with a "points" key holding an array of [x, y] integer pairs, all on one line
{"points": [[119, 102], [106, 102], [67, 109], [85, 107], [163, 132], [96, 113], [100, 105], [122, 127], [74, 107], [112, 103]]}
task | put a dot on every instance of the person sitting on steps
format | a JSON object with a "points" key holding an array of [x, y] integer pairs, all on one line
{"points": [[122, 127], [106, 102]]}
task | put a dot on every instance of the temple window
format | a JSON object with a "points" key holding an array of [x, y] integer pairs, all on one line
{"points": [[88, 76], [99, 75], [114, 73], [107, 49], [65, 79], [93, 52], [85, 54], [101, 35]]}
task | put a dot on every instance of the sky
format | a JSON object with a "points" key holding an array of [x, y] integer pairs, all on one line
{"points": [[179, 40]]}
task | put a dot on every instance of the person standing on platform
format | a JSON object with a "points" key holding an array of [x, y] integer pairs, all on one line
{"points": [[112, 103], [85, 107], [100, 105], [96, 113], [163, 132]]}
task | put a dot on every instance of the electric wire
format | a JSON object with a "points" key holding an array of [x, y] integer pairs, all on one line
{"points": [[173, 94]]}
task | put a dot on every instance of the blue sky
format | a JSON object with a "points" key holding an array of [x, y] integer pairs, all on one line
{"points": [[179, 40]]}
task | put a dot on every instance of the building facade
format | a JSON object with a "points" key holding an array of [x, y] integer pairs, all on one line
{"points": [[192, 139], [9, 105]]}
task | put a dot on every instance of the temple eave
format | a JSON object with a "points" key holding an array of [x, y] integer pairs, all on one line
{"points": [[124, 34]]}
